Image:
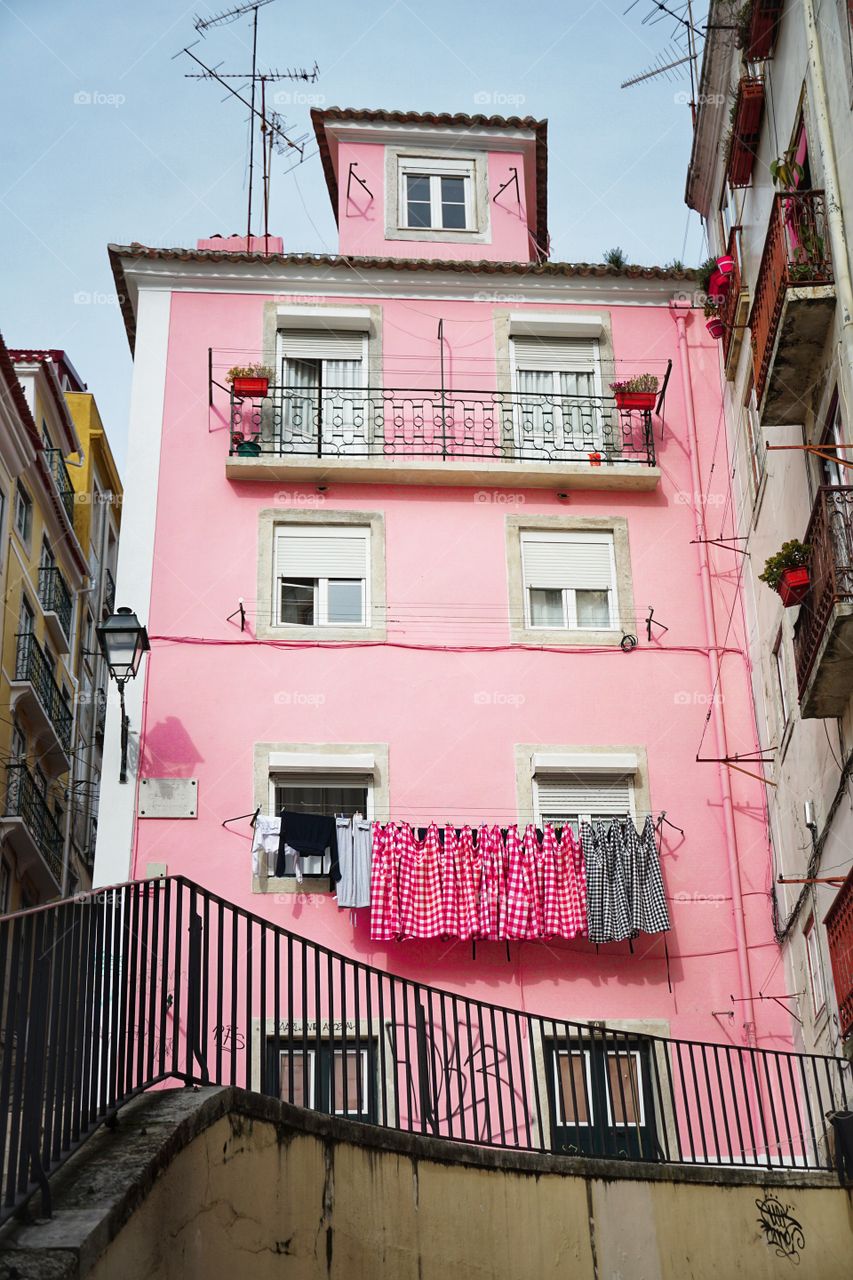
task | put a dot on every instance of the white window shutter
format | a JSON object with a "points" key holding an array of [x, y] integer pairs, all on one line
{"points": [[556, 355], [308, 553], [565, 797], [568, 562], [321, 344]]}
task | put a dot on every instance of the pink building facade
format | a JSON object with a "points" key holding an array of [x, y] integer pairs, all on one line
{"points": [[512, 613]]}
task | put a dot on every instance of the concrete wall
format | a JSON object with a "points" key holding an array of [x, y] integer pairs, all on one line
{"points": [[262, 1183]]}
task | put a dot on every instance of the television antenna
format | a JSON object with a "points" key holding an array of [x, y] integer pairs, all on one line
{"points": [[681, 51], [273, 134]]}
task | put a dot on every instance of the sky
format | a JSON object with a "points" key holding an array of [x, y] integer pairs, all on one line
{"points": [[107, 141]]}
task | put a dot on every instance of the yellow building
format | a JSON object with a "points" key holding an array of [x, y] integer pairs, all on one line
{"points": [[98, 494], [43, 572]]}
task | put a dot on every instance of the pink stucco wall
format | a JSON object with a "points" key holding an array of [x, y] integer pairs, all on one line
{"points": [[451, 750], [361, 217]]}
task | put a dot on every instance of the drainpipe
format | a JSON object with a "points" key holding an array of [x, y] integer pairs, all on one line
{"points": [[816, 82], [679, 312]]}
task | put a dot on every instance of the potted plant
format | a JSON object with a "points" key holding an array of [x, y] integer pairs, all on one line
{"points": [[713, 323], [636, 393], [788, 572], [249, 379], [245, 446], [786, 172]]}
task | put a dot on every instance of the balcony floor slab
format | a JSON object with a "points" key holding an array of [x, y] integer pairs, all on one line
{"points": [[801, 332], [30, 858], [829, 687], [23, 698]]}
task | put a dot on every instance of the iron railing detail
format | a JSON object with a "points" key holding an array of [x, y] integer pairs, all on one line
{"points": [[109, 601], [830, 537], [108, 994], [62, 480], [839, 936], [55, 596], [342, 422], [32, 665], [796, 253], [25, 800]]}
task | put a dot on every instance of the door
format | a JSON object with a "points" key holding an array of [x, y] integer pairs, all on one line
{"points": [[600, 1097], [558, 414], [324, 406]]}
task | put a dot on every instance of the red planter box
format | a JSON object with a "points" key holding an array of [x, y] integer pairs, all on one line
{"points": [[715, 327], [746, 131], [635, 399], [794, 586], [251, 386]]}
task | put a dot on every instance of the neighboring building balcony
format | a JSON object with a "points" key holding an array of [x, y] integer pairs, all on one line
{"points": [[31, 830], [100, 715], [108, 605], [451, 437], [823, 634], [35, 692], [58, 607], [793, 305], [734, 311], [839, 934], [62, 480]]}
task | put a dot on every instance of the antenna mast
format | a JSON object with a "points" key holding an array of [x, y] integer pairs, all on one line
{"points": [[682, 51], [271, 128]]}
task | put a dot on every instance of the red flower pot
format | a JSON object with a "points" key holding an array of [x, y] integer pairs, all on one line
{"points": [[794, 586], [715, 327], [251, 386], [718, 285], [595, 459], [635, 399]]}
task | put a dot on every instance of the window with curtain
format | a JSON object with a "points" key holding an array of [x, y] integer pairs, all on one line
{"points": [[569, 581], [558, 389], [322, 576], [325, 408]]}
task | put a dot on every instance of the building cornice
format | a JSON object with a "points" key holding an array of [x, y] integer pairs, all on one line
{"points": [[713, 109]]}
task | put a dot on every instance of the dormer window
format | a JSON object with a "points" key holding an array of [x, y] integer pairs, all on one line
{"points": [[436, 196], [438, 199]]}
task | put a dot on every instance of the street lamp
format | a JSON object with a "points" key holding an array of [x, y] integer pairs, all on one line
{"points": [[122, 640]]}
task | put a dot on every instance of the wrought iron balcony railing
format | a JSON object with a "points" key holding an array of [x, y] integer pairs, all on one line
{"points": [[32, 665], [62, 480], [55, 597], [180, 977], [483, 426], [830, 536], [25, 800], [839, 934], [796, 253], [109, 602]]}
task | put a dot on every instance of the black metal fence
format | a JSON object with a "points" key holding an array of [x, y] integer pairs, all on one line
{"points": [[108, 994], [55, 596], [452, 425], [62, 480], [32, 665]]}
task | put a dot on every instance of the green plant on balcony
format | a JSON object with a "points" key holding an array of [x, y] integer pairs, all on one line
{"points": [[704, 273], [785, 171], [639, 392], [787, 572], [248, 371], [743, 25]]}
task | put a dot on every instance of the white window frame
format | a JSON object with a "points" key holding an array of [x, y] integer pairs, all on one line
{"points": [[559, 1117], [23, 502], [311, 1074], [435, 169], [813, 962], [640, 1119], [313, 865], [339, 1054], [321, 585], [570, 622]]}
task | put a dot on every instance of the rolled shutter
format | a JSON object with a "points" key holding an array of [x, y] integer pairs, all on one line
{"points": [[576, 562], [569, 355], [303, 553], [321, 344], [565, 797]]}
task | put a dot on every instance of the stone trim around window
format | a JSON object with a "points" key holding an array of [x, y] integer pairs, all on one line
{"points": [[481, 233], [520, 633], [263, 770], [268, 520], [525, 772]]}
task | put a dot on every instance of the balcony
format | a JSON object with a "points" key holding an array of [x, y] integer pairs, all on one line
{"points": [[35, 692], [746, 131], [62, 480], [762, 22], [58, 607], [793, 307], [100, 715], [463, 438], [108, 605], [31, 830], [735, 308], [839, 934], [823, 634]]}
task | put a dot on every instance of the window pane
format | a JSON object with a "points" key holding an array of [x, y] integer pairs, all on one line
{"points": [[593, 608], [453, 203], [349, 1064], [625, 1102], [546, 607], [417, 200], [301, 1092], [328, 801], [346, 600], [297, 601], [572, 1108]]}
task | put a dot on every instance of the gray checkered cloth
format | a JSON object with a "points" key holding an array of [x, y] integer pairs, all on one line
{"points": [[624, 884]]}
